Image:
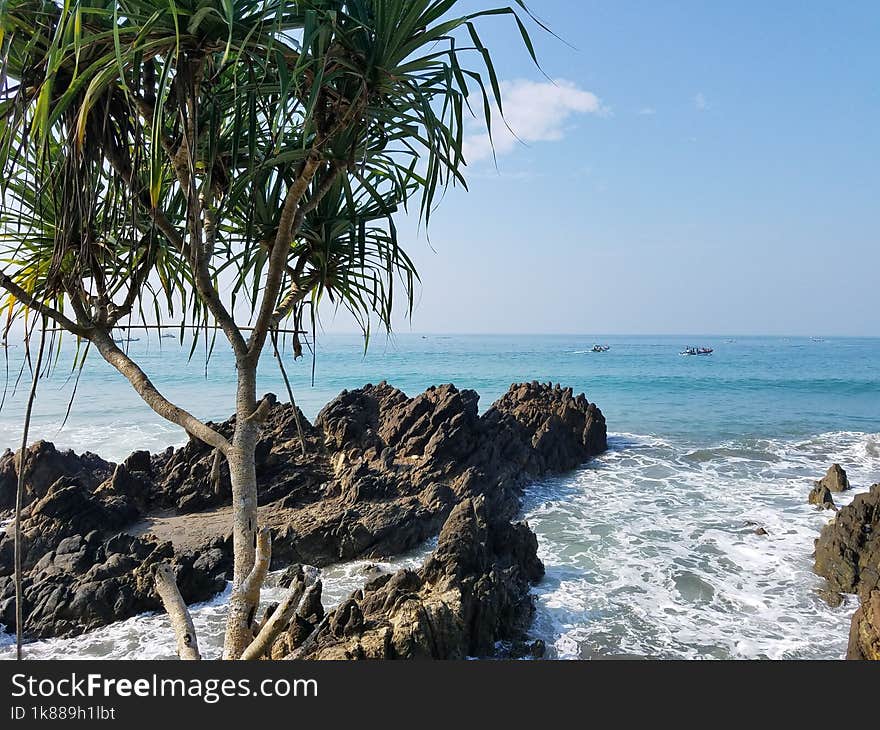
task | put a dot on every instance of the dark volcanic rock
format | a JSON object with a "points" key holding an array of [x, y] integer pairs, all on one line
{"points": [[67, 509], [472, 592], [381, 474], [183, 477], [45, 465], [86, 583]]}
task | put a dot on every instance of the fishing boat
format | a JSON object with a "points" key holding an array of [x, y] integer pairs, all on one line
{"points": [[123, 340], [600, 348], [697, 351]]}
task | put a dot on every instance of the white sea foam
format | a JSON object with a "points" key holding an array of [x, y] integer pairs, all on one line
{"points": [[112, 439], [651, 549]]}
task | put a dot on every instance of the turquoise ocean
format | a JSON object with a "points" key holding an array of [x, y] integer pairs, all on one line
{"points": [[651, 549]]}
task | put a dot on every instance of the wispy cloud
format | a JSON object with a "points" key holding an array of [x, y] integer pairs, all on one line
{"points": [[700, 102], [536, 112], [646, 111]]}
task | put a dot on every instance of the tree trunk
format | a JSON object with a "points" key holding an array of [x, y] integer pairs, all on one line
{"points": [[243, 475]]}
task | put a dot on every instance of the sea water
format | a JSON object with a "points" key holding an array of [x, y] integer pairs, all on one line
{"points": [[651, 550]]}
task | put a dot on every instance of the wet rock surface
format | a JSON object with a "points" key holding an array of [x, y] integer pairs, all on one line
{"points": [[382, 473]]}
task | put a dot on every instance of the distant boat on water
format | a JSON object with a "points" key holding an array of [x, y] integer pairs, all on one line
{"points": [[122, 340], [600, 348], [697, 351]]}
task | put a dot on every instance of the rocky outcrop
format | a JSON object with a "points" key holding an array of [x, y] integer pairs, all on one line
{"points": [[67, 509], [848, 548], [864, 634], [381, 473], [835, 480], [471, 593], [87, 582], [44, 465], [820, 495], [848, 556]]}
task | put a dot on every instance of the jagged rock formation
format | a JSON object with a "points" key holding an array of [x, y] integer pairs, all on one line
{"points": [[471, 593], [835, 480], [864, 634], [820, 495], [848, 548], [381, 474], [848, 556]]}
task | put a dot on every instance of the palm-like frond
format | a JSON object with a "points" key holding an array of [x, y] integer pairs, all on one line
{"points": [[147, 147]]}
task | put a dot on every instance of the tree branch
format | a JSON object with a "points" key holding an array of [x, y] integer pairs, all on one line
{"points": [[278, 621], [204, 285], [175, 606], [280, 251], [297, 292], [243, 603], [255, 579], [9, 285], [153, 398]]}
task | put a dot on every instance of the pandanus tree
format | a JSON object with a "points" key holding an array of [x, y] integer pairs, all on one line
{"points": [[207, 162]]}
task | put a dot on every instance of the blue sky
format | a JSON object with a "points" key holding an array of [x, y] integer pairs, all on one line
{"points": [[699, 167]]}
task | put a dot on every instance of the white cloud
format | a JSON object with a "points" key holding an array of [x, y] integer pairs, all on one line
{"points": [[700, 102], [535, 111], [647, 111]]}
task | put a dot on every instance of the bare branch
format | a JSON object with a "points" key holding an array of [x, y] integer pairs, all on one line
{"points": [[263, 408], [181, 620], [215, 470], [279, 620], [254, 582], [297, 291], [9, 285], [280, 251], [243, 603], [199, 262], [151, 396], [19, 496]]}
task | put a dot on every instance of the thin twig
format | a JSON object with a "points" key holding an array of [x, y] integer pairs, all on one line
{"points": [[299, 428], [19, 495]]}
